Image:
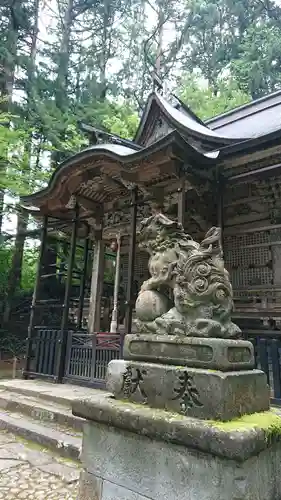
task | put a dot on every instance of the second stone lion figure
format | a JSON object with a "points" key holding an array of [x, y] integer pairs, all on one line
{"points": [[189, 291]]}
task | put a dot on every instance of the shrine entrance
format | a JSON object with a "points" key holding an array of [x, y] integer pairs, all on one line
{"points": [[106, 191]]}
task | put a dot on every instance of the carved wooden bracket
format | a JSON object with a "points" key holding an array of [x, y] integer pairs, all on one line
{"points": [[89, 204]]}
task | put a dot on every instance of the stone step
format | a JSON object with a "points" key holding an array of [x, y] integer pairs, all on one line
{"points": [[62, 394], [51, 436], [40, 409], [20, 388], [41, 412]]}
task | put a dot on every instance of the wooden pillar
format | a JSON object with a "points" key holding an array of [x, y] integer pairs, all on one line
{"points": [[61, 353], [83, 280], [35, 296], [131, 263], [181, 203], [220, 202], [96, 283], [114, 318]]}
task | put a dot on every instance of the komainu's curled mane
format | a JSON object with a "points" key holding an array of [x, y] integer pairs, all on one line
{"points": [[201, 291]]}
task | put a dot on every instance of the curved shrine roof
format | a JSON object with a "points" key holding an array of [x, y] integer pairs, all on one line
{"points": [[103, 173], [189, 123], [183, 121], [254, 119], [117, 149]]}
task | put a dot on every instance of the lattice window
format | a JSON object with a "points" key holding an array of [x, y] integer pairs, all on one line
{"points": [[275, 235], [247, 260], [141, 271], [241, 240], [244, 277], [247, 257]]}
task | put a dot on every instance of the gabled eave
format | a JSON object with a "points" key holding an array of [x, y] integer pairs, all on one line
{"points": [[188, 126]]}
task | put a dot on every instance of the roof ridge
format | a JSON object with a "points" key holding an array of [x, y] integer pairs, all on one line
{"points": [[249, 104]]}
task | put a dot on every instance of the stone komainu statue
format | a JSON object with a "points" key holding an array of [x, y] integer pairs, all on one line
{"points": [[189, 291]]}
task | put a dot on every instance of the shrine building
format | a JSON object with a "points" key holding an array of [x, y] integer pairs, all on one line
{"points": [[223, 172]]}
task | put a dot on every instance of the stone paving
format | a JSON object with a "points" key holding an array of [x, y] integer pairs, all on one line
{"points": [[29, 472]]}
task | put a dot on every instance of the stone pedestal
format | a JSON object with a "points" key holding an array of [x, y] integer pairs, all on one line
{"points": [[206, 394], [213, 354], [203, 378], [185, 418], [133, 452]]}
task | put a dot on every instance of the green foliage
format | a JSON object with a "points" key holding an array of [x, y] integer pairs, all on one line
{"points": [[109, 267], [12, 155], [12, 344], [210, 38], [5, 261], [120, 120], [29, 268], [218, 33], [205, 103], [257, 69]]}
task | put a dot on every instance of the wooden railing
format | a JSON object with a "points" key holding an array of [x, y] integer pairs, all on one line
{"points": [[43, 352], [88, 356]]}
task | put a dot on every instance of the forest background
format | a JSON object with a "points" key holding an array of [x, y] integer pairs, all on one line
{"points": [[63, 62]]}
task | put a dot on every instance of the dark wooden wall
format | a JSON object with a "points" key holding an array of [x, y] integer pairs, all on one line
{"points": [[252, 249]]}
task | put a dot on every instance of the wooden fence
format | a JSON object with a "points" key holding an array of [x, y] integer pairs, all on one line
{"points": [[87, 356]]}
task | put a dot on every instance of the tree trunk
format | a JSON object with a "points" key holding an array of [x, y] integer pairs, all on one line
{"points": [[7, 77], [63, 59], [61, 97], [15, 273], [16, 265], [105, 52]]}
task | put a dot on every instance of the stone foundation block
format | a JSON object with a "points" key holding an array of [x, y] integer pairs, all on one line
{"points": [[194, 392], [215, 354], [106, 490], [132, 452], [90, 486]]}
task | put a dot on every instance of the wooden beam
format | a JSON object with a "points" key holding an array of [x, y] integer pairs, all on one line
{"points": [[114, 318], [260, 173], [83, 280], [97, 281], [220, 205], [61, 351], [132, 258], [182, 203], [234, 230], [113, 182]]}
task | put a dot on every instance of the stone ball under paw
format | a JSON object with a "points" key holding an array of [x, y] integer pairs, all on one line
{"points": [[150, 305]]}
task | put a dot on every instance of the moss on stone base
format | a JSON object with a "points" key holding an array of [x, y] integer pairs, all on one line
{"points": [[268, 421]]}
